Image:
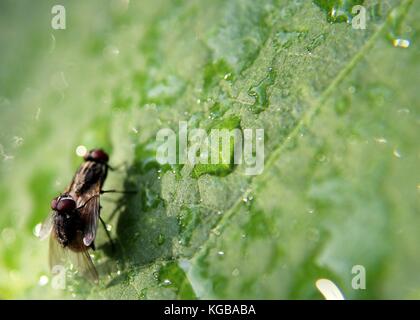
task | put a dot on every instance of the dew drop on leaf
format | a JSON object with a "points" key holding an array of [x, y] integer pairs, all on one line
{"points": [[397, 153]]}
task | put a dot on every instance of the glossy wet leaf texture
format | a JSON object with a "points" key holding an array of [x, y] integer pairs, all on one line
{"points": [[340, 112]]}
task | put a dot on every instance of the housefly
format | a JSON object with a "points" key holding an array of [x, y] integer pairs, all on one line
{"points": [[75, 213], [86, 188], [66, 226]]}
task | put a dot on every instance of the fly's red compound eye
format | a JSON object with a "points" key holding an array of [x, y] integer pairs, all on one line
{"points": [[54, 204], [65, 205], [97, 155]]}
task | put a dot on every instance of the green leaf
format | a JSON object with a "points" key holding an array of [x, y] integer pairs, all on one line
{"points": [[340, 113]]}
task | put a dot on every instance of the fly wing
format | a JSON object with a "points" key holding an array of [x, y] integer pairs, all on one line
{"points": [[89, 212], [87, 177], [86, 188], [45, 229], [57, 254], [81, 260], [83, 263]]}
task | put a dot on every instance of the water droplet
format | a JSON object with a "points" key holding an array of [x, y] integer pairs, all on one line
{"points": [[352, 89], [81, 151], [220, 253], [260, 92], [381, 140], [167, 282], [235, 272], [111, 51], [311, 210], [248, 199], [227, 76], [108, 227], [43, 280], [397, 153], [17, 141], [338, 11], [401, 43], [37, 230]]}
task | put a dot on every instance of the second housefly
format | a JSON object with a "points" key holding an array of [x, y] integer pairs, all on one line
{"points": [[75, 213]]}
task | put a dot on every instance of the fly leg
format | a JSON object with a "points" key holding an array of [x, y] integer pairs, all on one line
{"points": [[83, 205], [116, 168], [118, 191], [108, 234], [114, 212]]}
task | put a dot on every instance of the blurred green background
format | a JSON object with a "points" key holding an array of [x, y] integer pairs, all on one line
{"points": [[341, 114]]}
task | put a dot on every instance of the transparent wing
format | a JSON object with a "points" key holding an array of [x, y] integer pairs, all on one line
{"points": [[43, 231], [83, 263], [90, 214], [81, 260], [57, 254]]}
